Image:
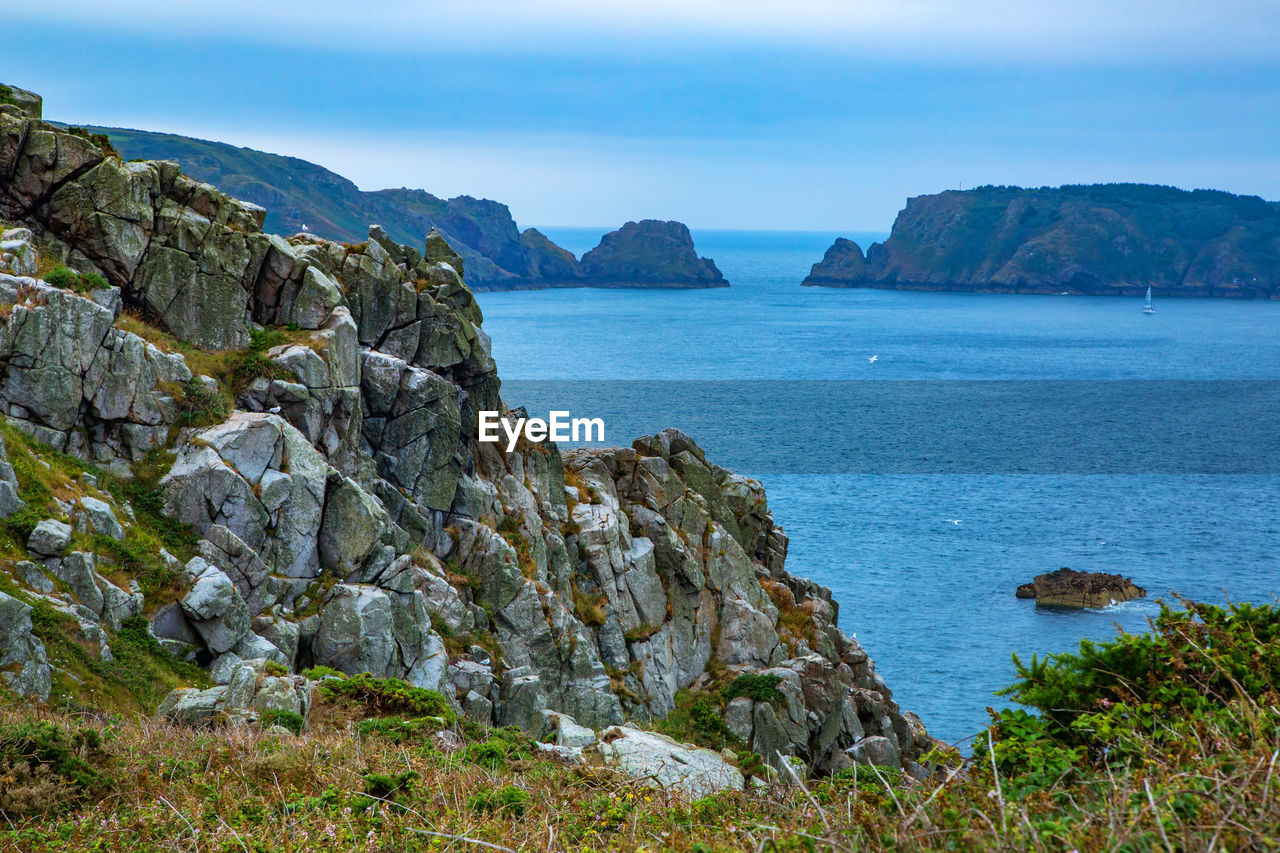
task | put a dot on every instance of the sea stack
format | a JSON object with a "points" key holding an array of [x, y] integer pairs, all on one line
{"points": [[649, 253], [843, 265]]}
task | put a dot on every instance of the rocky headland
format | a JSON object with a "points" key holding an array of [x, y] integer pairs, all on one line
{"points": [[303, 197], [1116, 239], [1070, 588], [258, 454]]}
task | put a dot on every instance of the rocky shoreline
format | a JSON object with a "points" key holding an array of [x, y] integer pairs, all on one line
{"points": [[307, 412]]}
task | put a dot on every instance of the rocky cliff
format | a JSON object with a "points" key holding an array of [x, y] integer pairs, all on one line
{"points": [[270, 458], [649, 253], [1100, 239]]}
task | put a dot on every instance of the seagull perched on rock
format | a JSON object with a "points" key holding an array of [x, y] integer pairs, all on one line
{"points": [[274, 410], [873, 359]]}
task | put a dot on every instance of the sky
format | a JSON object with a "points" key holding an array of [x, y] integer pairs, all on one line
{"points": [[804, 115]]}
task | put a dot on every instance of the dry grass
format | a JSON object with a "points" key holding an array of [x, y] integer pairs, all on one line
{"points": [[178, 789]]}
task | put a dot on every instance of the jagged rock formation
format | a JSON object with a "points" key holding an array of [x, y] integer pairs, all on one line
{"points": [[1070, 588], [1100, 239], [345, 514], [649, 253]]}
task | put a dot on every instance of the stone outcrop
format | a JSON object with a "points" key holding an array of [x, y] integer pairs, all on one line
{"points": [[345, 515], [1101, 239], [23, 663], [649, 253], [75, 381], [659, 762], [250, 692], [1069, 588]]}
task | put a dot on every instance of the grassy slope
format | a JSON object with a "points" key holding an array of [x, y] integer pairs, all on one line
{"points": [[1145, 762]]}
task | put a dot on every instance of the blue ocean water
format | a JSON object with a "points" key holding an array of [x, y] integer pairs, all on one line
{"points": [[932, 599]]}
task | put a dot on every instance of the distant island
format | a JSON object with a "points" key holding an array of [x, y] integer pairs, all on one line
{"points": [[302, 196], [649, 253], [1115, 239]]}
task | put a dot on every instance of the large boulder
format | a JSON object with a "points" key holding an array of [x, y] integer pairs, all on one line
{"points": [[23, 663], [657, 761], [215, 607], [260, 478]]}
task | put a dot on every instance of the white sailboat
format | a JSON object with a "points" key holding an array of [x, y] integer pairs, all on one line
{"points": [[1146, 308]]}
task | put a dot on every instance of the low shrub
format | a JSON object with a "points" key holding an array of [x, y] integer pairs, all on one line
{"points": [[290, 720], [387, 697], [399, 730], [45, 767], [385, 788], [760, 688], [508, 800]]}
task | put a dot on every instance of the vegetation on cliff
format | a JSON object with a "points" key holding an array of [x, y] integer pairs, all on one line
{"points": [[1160, 741], [1097, 239]]}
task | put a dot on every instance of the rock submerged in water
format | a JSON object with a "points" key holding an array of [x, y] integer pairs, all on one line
{"points": [[1070, 588]]}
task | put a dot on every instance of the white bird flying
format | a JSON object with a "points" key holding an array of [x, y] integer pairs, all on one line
{"points": [[873, 359], [954, 521]]}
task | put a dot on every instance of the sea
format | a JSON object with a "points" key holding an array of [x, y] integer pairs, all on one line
{"points": [[926, 453]]}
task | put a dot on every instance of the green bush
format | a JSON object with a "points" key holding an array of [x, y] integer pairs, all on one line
{"points": [[388, 697], [318, 672], [202, 406], [1114, 701], [380, 788], [699, 718], [508, 800], [251, 362], [399, 730], [68, 279], [490, 754], [761, 688], [284, 719], [63, 277]]}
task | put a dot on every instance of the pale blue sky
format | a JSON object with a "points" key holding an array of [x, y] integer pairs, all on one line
{"points": [[810, 114]]}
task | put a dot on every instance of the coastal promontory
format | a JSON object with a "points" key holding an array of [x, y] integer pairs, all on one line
{"points": [[1114, 239]]}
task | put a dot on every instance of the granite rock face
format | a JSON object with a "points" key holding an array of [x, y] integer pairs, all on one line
{"points": [[1100, 239], [1069, 588], [649, 253], [23, 663], [344, 511]]}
